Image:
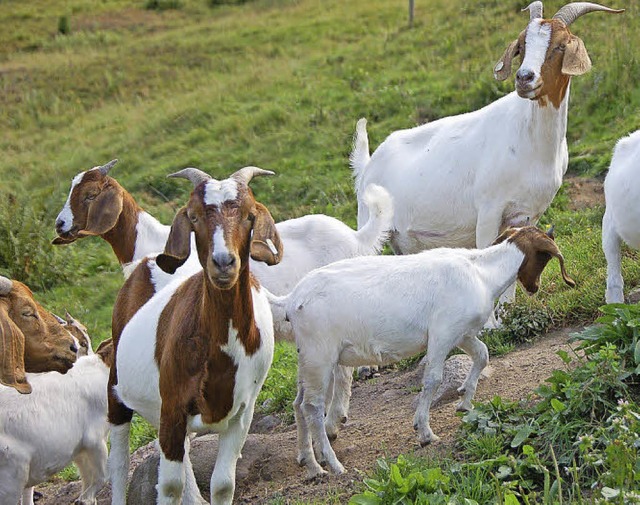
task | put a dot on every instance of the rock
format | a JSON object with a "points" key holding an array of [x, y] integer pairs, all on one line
{"points": [[456, 369], [142, 489], [265, 425]]}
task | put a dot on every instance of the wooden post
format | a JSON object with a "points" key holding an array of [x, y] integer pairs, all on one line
{"points": [[411, 6]]}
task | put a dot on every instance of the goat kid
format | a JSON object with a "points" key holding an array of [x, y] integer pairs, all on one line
{"points": [[621, 221], [195, 356], [64, 419], [31, 339], [356, 311]]}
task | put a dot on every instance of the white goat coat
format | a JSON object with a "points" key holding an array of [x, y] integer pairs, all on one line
{"points": [[458, 181], [62, 420], [621, 221]]}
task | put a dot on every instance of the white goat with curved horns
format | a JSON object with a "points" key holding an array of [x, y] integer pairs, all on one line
{"points": [[460, 180]]}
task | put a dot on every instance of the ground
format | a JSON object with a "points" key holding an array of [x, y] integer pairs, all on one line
{"points": [[381, 417]]}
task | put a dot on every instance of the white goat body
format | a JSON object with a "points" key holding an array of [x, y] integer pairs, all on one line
{"points": [[621, 221], [64, 419], [357, 311]]}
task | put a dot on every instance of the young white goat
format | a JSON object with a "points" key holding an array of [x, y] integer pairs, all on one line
{"points": [[64, 419], [621, 221], [459, 181], [380, 309], [196, 355]]}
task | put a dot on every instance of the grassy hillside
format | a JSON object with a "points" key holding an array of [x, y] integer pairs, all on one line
{"points": [[275, 83]]}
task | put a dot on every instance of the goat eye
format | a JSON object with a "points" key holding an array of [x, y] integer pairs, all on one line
{"points": [[29, 314], [251, 217], [193, 218], [90, 197]]}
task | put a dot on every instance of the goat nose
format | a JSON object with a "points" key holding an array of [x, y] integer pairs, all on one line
{"points": [[223, 261], [73, 347], [525, 76], [59, 224]]}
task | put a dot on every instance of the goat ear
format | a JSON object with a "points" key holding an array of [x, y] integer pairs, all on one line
{"points": [[502, 70], [103, 213], [12, 371], [105, 350], [266, 245], [178, 246], [576, 60]]}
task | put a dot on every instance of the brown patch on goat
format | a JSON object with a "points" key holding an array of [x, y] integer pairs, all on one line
{"points": [[135, 292], [555, 82], [100, 206], [538, 249]]}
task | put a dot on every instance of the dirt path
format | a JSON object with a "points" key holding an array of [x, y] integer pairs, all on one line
{"points": [[380, 424]]}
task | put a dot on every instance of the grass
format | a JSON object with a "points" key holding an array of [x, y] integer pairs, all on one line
{"points": [[276, 83]]}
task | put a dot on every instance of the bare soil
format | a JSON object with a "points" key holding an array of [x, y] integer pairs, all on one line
{"points": [[380, 425]]}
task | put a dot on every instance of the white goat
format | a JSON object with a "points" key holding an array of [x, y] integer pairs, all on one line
{"points": [[196, 355], [64, 419], [380, 309], [621, 221], [459, 181]]}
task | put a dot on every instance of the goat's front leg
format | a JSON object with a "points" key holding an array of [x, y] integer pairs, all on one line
{"points": [[433, 370], [119, 462], [315, 379], [174, 445], [478, 351], [27, 496], [611, 243], [338, 408], [230, 443], [92, 465]]}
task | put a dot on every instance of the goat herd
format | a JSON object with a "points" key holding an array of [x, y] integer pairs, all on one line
{"points": [[193, 326]]}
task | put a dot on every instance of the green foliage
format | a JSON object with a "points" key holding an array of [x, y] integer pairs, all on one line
{"points": [[64, 25], [280, 386], [162, 5], [141, 433]]}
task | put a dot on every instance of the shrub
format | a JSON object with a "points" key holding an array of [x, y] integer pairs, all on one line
{"points": [[64, 26]]}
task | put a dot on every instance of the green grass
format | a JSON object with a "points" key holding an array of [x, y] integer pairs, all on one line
{"points": [[278, 84]]}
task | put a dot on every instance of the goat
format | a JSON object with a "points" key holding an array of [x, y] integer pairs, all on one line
{"points": [[357, 311], [31, 339], [461, 180], [195, 356], [64, 419], [621, 221]]}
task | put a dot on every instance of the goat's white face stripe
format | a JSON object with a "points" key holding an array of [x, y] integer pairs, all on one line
{"points": [[537, 43], [66, 215], [218, 192], [219, 245]]}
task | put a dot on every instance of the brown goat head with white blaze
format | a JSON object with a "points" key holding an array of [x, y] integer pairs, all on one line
{"points": [[31, 339], [229, 225], [549, 52]]}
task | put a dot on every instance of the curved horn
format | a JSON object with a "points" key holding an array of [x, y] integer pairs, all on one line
{"points": [[535, 10], [570, 12], [5, 285], [195, 175], [549, 232], [104, 169], [247, 173]]}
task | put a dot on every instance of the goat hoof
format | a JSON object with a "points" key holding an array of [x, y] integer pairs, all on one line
{"points": [[316, 474], [344, 419], [464, 407], [301, 461]]}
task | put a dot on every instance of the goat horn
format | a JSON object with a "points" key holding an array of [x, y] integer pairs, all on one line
{"points": [[550, 231], [59, 319], [104, 169], [5, 285], [570, 12], [535, 10], [247, 173], [195, 175]]}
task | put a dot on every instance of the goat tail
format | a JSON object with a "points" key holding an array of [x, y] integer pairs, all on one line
{"points": [[359, 157], [278, 306], [375, 232]]}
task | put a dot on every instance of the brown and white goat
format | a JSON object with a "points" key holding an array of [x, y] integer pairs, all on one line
{"points": [[98, 205], [31, 339], [195, 356]]}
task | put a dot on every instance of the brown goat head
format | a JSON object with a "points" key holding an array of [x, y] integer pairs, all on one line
{"points": [[538, 248], [31, 339], [229, 225], [93, 206], [549, 52]]}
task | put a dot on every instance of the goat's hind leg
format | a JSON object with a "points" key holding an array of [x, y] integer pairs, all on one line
{"points": [[338, 408], [478, 351], [611, 245], [306, 456], [92, 465]]}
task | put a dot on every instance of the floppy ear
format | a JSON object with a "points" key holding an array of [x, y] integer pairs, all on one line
{"points": [[502, 70], [553, 250], [12, 372], [103, 213], [266, 245], [576, 60], [105, 351], [178, 246]]}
